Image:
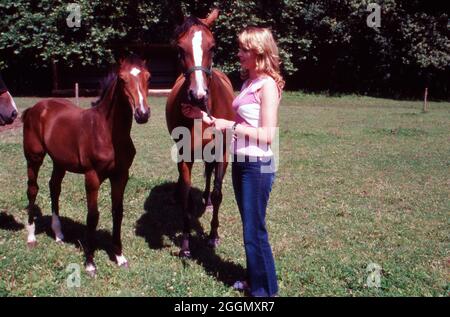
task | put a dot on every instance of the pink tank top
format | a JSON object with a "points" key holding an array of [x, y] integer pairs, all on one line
{"points": [[247, 106]]}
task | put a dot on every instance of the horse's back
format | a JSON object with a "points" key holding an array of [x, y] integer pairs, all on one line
{"points": [[52, 124], [48, 108]]}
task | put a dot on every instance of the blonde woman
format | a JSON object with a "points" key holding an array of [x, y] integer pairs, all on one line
{"points": [[252, 169]]}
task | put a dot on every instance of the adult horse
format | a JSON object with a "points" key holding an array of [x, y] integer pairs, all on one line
{"points": [[95, 142], [8, 108], [199, 88]]}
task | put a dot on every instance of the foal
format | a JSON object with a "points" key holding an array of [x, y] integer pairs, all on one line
{"points": [[95, 142]]}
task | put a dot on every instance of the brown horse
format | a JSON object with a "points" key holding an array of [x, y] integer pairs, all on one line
{"points": [[200, 87], [8, 108], [95, 142]]}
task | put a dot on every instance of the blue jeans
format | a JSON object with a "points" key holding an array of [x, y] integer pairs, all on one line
{"points": [[252, 186]]}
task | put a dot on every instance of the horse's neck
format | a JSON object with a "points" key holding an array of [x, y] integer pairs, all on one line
{"points": [[221, 95], [114, 109]]}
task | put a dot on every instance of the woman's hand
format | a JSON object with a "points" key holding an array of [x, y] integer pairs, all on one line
{"points": [[219, 124], [222, 124], [207, 119]]}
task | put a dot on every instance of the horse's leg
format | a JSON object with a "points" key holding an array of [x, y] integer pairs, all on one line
{"points": [[118, 184], [55, 190], [92, 184], [184, 189], [216, 198], [209, 167], [34, 163]]}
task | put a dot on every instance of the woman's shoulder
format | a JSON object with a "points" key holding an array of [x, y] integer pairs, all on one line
{"points": [[269, 83], [261, 82]]}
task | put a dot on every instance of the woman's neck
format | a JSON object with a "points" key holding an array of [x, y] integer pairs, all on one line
{"points": [[253, 74]]}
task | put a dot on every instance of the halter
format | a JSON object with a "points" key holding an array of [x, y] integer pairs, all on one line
{"points": [[208, 71], [193, 69]]}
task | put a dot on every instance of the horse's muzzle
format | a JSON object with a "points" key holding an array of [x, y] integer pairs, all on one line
{"points": [[192, 98], [8, 119], [141, 117]]}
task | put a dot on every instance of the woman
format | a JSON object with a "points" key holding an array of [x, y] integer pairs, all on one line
{"points": [[252, 168]]}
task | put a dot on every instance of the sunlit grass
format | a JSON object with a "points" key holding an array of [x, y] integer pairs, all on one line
{"points": [[361, 180]]}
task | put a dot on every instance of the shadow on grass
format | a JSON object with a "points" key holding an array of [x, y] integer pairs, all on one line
{"points": [[163, 218], [7, 222], [75, 234]]}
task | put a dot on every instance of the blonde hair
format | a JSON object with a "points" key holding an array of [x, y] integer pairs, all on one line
{"points": [[262, 43]]}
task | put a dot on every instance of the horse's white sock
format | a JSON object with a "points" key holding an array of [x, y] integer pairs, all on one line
{"points": [[56, 226], [31, 237], [121, 260]]}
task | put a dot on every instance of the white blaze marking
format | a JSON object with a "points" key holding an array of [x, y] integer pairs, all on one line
{"points": [[31, 236], [56, 226], [198, 56], [141, 100], [135, 72], [121, 260], [12, 101]]}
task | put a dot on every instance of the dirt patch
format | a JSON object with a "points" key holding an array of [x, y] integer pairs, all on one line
{"points": [[15, 125]]}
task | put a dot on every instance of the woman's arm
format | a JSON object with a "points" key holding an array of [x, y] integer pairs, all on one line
{"points": [[269, 117]]}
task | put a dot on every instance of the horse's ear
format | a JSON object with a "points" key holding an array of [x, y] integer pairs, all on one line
{"points": [[209, 20], [178, 13], [125, 76]]}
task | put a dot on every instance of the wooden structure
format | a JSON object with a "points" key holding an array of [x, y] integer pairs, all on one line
{"points": [[161, 59]]}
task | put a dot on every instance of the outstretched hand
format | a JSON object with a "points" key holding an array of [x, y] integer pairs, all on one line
{"points": [[218, 123], [207, 119]]}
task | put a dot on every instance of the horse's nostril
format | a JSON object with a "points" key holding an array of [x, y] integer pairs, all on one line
{"points": [[191, 95], [14, 114]]}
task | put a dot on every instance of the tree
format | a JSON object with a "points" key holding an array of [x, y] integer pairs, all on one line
{"points": [[324, 45]]}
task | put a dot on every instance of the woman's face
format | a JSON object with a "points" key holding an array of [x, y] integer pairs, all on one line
{"points": [[247, 58]]}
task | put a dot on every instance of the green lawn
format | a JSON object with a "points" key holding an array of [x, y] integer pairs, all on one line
{"points": [[361, 180]]}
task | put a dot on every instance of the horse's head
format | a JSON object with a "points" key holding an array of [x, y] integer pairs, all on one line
{"points": [[134, 76], [196, 44], [8, 109]]}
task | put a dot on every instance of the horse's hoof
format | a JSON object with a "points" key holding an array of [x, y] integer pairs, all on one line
{"points": [[124, 265], [207, 204], [186, 254], [59, 241], [91, 270], [214, 242], [209, 208], [31, 245]]}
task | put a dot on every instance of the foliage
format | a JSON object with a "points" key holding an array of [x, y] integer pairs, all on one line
{"points": [[323, 45]]}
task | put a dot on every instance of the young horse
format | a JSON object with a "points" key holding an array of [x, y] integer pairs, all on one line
{"points": [[95, 142], [8, 108], [199, 87]]}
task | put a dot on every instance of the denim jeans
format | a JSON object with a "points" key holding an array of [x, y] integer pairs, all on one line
{"points": [[252, 185]]}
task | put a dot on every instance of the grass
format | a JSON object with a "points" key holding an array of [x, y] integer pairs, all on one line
{"points": [[361, 180]]}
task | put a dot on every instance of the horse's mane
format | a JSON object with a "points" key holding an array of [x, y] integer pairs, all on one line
{"points": [[186, 25], [105, 83]]}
